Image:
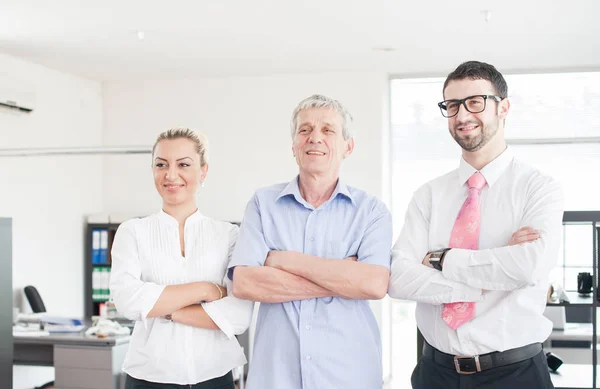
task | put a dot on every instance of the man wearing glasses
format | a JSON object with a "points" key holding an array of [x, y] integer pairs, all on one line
{"points": [[480, 287]]}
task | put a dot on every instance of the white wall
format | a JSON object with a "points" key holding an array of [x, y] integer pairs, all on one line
{"points": [[247, 124], [47, 197]]}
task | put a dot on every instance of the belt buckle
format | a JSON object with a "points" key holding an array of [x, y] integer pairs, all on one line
{"points": [[457, 359]]}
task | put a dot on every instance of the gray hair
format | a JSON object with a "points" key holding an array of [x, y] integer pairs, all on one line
{"points": [[320, 101], [199, 140]]}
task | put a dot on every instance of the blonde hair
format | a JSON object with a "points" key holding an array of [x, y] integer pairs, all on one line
{"points": [[199, 140]]}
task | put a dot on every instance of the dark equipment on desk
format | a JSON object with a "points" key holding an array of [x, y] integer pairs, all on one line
{"points": [[553, 361], [584, 283]]}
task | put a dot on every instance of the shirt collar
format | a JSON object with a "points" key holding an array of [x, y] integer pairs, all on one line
{"points": [[491, 172], [292, 189], [162, 215]]}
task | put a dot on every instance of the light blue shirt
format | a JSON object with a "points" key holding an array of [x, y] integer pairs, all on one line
{"points": [[320, 343]]}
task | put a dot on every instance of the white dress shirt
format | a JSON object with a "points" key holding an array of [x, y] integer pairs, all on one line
{"points": [[508, 283], [146, 256]]}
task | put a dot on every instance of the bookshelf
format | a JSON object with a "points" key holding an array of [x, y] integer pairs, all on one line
{"points": [[97, 265], [581, 375]]}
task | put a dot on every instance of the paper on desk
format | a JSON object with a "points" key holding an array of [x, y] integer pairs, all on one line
{"points": [[61, 320], [63, 328], [44, 317], [28, 331], [30, 317]]}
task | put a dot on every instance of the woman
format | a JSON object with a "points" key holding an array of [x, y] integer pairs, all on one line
{"points": [[169, 274]]}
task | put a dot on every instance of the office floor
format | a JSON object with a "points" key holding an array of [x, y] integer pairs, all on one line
{"points": [[28, 377]]}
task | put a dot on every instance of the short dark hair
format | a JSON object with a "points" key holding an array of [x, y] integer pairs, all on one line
{"points": [[476, 70]]}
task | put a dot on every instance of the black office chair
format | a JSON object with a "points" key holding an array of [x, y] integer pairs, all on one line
{"points": [[35, 300], [37, 306]]}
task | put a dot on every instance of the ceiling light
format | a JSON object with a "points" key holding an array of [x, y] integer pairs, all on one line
{"points": [[384, 49]]}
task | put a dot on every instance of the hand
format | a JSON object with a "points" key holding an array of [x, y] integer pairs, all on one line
{"points": [[426, 261], [352, 258], [524, 235]]}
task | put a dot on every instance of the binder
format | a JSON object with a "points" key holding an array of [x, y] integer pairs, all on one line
{"points": [[95, 247], [103, 247], [95, 283], [105, 283]]}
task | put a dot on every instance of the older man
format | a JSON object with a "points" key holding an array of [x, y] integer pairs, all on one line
{"points": [[313, 251]]}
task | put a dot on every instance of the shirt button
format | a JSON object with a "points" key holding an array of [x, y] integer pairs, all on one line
{"points": [[307, 328], [308, 358], [311, 238]]}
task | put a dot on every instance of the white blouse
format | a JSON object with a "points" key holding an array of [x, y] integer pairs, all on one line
{"points": [[146, 256]]}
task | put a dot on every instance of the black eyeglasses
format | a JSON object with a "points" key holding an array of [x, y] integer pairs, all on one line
{"points": [[473, 104]]}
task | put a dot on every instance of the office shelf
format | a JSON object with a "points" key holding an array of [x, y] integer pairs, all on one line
{"points": [[581, 375], [91, 303], [575, 299]]}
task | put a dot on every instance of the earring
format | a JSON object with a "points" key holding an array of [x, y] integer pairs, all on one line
{"points": [[202, 184]]}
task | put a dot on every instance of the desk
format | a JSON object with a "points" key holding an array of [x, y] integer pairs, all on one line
{"points": [[573, 376], [80, 361], [573, 344]]}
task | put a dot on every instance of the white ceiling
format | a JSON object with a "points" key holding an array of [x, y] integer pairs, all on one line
{"points": [[203, 38]]}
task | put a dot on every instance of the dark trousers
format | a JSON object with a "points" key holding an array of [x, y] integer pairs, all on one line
{"points": [[528, 374], [225, 382]]}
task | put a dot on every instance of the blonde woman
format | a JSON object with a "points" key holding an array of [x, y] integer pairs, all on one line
{"points": [[168, 274]]}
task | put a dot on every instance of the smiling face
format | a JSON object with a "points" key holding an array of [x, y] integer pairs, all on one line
{"points": [[475, 131], [319, 145], [177, 171]]}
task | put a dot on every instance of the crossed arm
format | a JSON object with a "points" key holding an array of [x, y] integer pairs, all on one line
{"points": [[530, 253], [289, 276], [138, 300], [265, 275]]}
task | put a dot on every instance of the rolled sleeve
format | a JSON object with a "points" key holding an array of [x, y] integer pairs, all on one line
{"points": [[251, 248], [133, 297], [375, 247], [230, 314]]}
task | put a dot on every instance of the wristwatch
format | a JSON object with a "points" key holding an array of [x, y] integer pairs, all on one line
{"points": [[436, 258]]}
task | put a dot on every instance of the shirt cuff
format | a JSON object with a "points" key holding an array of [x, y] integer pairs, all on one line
{"points": [[455, 264], [467, 294], [219, 318]]}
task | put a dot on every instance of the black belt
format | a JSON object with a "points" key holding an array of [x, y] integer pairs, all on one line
{"points": [[477, 363]]}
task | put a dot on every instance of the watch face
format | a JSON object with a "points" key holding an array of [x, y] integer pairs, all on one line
{"points": [[437, 254]]}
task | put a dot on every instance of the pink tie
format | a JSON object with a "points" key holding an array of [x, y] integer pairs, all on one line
{"points": [[465, 235]]}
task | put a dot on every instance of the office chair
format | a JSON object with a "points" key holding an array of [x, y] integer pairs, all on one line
{"points": [[35, 300], [37, 306]]}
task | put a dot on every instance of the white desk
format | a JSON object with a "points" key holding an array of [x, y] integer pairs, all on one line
{"points": [[80, 361], [573, 376], [576, 353]]}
